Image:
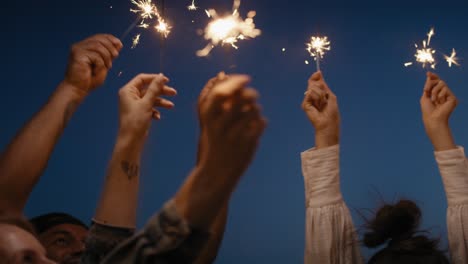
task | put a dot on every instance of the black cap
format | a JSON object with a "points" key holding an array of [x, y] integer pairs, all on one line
{"points": [[46, 221]]}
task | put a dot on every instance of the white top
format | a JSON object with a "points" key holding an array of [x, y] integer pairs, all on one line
{"points": [[331, 237]]}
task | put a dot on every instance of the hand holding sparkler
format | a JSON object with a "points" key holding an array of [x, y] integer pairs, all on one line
{"points": [[321, 107], [317, 48], [90, 61], [437, 104], [138, 101]]}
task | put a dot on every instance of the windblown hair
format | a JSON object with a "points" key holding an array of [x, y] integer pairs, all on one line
{"points": [[396, 228]]}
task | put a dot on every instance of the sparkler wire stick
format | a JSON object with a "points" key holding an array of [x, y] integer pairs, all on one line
{"points": [[130, 28]]}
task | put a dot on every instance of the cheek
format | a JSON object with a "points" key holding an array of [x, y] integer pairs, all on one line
{"points": [[56, 253]]}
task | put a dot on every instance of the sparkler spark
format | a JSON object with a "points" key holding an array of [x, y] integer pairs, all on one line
{"points": [[408, 64], [425, 54], [136, 41], [229, 29], [317, 48], [429, 36], [452, 59], [163, 28], [192, 7], [145, 9]]}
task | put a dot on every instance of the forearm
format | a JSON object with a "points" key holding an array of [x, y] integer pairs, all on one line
{"points": [[441, 137], [26, 157], [324, 139], [121, 184], [210, 251], [203, 194]]}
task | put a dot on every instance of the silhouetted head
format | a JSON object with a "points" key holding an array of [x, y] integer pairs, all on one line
{"points": [[396, 228], [62, 235], [18, 242]]}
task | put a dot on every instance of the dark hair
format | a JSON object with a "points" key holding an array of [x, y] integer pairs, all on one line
{"points": [[46, 221], [397, 227], [18, 221]]}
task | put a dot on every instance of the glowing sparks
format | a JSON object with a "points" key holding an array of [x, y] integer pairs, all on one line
{"points": [[163, 28], [229, 29], [147, 10], [136, 41], [283, 49], [425, 54], [429, 36], [317, 48], [192, 7], [306, 62], [408, 64], [452, 59]]}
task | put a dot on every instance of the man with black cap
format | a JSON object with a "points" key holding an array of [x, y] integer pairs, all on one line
{"points": [[62, 235]]}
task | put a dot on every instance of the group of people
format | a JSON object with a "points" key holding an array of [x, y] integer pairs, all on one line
{"points": [[190, 226]]}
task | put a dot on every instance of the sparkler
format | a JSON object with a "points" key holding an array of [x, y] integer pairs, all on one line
{"points": [[192, 7], [229, 29], [425, 54], [452, 59], [317, 48], [146, 10]]}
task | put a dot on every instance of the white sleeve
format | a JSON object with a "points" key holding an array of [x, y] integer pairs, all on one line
{"points": [[453, 168], [330, 234]]}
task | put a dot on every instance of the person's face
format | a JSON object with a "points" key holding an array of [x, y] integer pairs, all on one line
{"points": [[64, 243], [18, 246]]}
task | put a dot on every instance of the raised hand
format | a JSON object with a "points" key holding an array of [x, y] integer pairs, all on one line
{"points": [[138, 101], [89, 62], [321, 107], [231, 124], [437, 104]]}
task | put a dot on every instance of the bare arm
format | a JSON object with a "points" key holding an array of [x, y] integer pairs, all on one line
{"points": [[437, 104], [26, 157], [137, 100], [210, 251]]}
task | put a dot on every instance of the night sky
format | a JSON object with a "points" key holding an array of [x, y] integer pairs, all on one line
{"points": [[385, 152]]}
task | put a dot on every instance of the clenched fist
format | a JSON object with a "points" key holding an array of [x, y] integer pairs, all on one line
{"points": [[89, 62]]}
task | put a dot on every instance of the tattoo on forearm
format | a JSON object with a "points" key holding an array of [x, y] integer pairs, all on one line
{"points": [[69, 110], [131, 170]]}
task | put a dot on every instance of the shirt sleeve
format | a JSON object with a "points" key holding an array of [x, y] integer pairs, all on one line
{"points": [[330, 234], [453, 168], [166, 238], [101, 240]]}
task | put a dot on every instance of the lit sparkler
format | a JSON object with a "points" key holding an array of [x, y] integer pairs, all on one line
{"points": [[192, 7], [229, 29], [317, 48], [452, 59], [145, 9], [163, 27], [425, 54], [136, 41]]}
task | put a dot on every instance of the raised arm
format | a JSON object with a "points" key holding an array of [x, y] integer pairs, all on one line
{"points": [[330, 233], [138, 100], [115, 217], [26, 157], [180, 231], [437, 104]]}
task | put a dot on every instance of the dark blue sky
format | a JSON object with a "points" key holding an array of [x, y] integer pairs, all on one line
{"points": [[384, 147]]}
